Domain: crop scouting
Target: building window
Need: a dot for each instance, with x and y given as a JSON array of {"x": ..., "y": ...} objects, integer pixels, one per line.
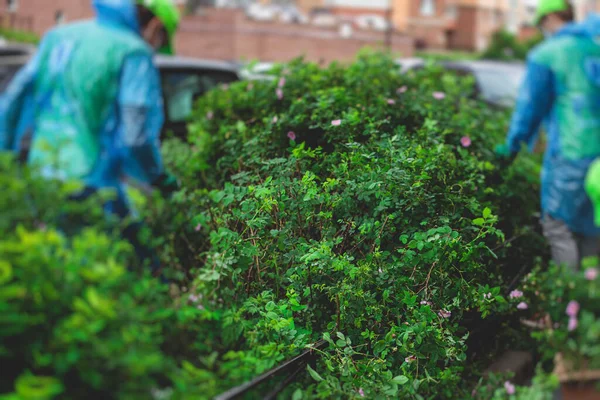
[
  {"x": 428, "y": 7},
  {"x": 451, "y": 12},
  {"x": 12, "y": 5}
]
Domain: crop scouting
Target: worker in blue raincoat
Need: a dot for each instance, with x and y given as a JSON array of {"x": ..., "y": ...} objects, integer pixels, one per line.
[
  {"x": 91, "y": 102},
  {"x": 562, "y": 88}
]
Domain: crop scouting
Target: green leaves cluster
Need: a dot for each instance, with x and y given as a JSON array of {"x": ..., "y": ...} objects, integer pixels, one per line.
[{"x": 373, "y": 229}]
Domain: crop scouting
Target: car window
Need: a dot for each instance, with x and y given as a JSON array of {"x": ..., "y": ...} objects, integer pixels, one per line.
[
  {"x": 500, "y": 86},
  {"x": 7, "y": 72},
  {"x": 182, "y": 88}
]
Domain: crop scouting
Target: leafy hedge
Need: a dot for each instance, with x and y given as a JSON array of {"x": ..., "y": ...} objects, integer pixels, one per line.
[
  {"x": 507, "y": 47},
  {"x": 19, "y": 36},
  {"x": 74, "y": 321},
  {"x": 354, "y": 205},
  {"x": 359, "y": 206}
]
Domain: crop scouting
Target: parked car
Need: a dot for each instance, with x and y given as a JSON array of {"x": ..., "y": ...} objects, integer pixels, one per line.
[
  {"x": 256, "y": 71},
  {"x": 184, "y": 80},
  {"x": 12, "y": 58},
  {"x": 496, "y": 82}
]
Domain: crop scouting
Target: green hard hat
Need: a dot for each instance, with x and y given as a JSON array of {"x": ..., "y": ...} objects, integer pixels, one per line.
[
  {"x": 547, "y": 7},
  {"x": 592, "y": 187},
  {"x": 168, "y": 13}
]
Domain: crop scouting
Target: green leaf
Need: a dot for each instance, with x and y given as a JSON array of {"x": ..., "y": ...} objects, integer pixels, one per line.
[
  {"x": 6, "y": 272},
  {"x": 400, "y": 380},
  {"x": 297, "y": 395},
  {"x": 487, "y": 213},
  {"x": 479, "y": 221},
  {"x": 314, "y": 374}
]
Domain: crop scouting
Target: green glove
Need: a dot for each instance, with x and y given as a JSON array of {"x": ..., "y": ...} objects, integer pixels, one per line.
[
  {"x": 592, "y": 188},
  {"x": 504, "y": 156}
]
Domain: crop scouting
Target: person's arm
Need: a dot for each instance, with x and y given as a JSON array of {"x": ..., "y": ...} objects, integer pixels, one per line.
[
  {"x": 17, "y": 107},
  {"x": 141, "y": 119},
  {"x": 534, "y": 104}
]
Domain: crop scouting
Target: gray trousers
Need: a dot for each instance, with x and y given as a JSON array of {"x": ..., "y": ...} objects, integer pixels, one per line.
[{"x": 568, "y": 248}]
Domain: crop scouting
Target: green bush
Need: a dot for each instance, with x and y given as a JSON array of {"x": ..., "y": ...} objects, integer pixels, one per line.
[
  {"x": 19, "y": 36},
  {"x": 341, "y": 204},
  {"x": 506, "y": 47},
  {"x": 567, "y": 304},
  {"x": 355, "y": 205},
  {"x": 75, "y": 322}
]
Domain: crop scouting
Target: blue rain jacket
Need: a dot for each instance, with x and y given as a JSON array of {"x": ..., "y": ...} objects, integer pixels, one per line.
[
  {"x": 562, "y": 89},
  {"x": 91, "y": 98}
]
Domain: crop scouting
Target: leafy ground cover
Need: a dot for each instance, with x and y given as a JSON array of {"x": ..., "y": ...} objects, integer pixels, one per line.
[
  {"x": 19, "y": 36},
  {"x": 350, "y": 204}
]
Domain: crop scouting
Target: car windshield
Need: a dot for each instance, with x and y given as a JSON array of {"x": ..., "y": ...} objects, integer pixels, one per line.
[
  {"x": 182, "y": 88},
  {"x": 500, "y": 85}
]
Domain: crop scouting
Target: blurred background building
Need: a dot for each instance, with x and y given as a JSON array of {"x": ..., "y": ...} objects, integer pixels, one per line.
[{"x": 322, "y": 30}]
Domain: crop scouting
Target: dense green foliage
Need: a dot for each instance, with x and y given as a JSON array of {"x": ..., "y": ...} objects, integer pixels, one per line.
[
  {"x": 341, "y": 204},
  {"x": 506, "y": 47},
  {"x": 570, "y": 302},
  {"x": 74, "y": 321},
  {"x": 354, "y": 205},
  {"x": 19, "y": 36}
]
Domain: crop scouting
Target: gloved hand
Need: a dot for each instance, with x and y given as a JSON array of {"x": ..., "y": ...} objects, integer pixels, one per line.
[
  {"x": 504, "y": 156},
  {"x": 167, "y": 183}
]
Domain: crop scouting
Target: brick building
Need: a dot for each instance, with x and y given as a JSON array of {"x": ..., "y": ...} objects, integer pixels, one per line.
[
  {"x": 440, "y": 24},
  {"x": 225, "y": 34},
  {"x": 40, "y": 15},
  {"x": 229, "y": 35}
]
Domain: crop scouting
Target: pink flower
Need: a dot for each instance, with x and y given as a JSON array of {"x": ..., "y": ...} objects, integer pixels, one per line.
[
  {"x": 279, "y": 93},
  {"x": 200, "y": 307},
  {"x": 193, "y": 298},
  {"x": 572, "y": 309},
  {"x": 361, "y": 392},
  {"x": 391, "y": 102},
  {"x": 42, "y": 227},
  {"x": 425, "y": 303},
  {"x": 487, "y": 296},
  {"x": 275, "y": 119},
  {"x": 445, "y": 314},
  {"x": 572, "y": 324},
  {"x": 410, "y": 359},
  {"x": 465, "y": 141},
  {"x": 510, "y": 388},
  {"x": 210, "y": 115},
  {"x": 401, "y": 90},
  {"x": 336, "y": 122},
  {"x": 281, "y": 82},
  {"x": 522, "y": 306},
  {"x": 198, "y": 228},
  {"x": 250, "y": 86},
  {"x": 225, "y": 86},
  {"x": 439, "y": 95},
  {"x": 291, "y": 135},
  {"x": 591, "y": 274},
  {"x": 515, "y": 294}
]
